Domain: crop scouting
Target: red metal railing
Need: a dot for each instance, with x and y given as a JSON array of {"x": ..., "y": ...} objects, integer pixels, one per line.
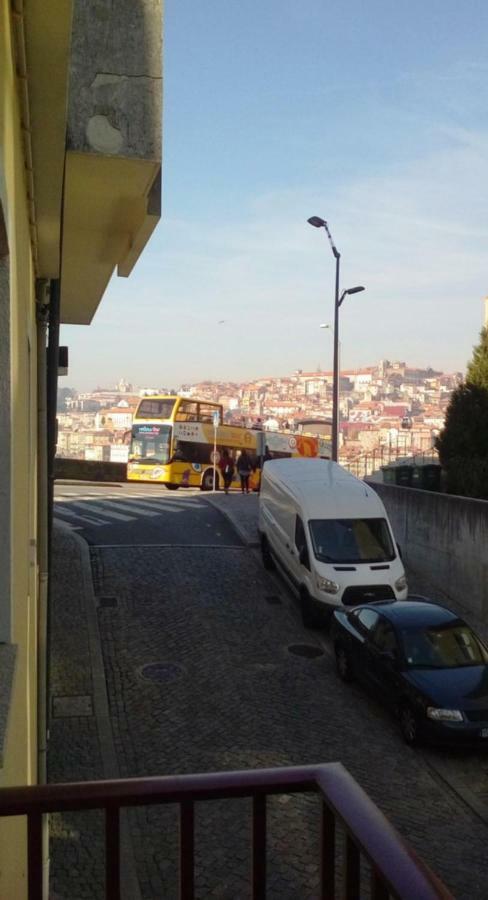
[{"x": 395, "y": 869}]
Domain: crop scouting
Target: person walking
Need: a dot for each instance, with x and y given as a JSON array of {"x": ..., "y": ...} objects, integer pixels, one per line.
[
  {"x": 244, "y": 469},
  {"x": 226, "y": 466}
]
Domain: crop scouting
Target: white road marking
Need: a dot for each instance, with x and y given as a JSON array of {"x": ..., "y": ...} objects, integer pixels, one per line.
[
  {"x": 93, "y": 507},
  {"x": 128, "y": 506},
  {"x": 70, "y": 514},
  {"x": 149, "y": 504},
  {"x": 99, "y": 508}
]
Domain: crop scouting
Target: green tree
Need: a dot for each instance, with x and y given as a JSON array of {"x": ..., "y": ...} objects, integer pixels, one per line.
[
  {"x": 463, "y": 443},
  {"x": 477, "y": 372}
]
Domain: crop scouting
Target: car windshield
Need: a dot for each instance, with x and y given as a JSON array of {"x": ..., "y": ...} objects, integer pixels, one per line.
[
  {"x": 351, "y": 540},
  {"x": 443, "y": 647}
]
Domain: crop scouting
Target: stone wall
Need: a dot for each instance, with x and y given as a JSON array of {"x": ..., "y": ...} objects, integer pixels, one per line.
[
  {"x": 89, "y": 470},
  {"x": 444, "y": 541}
]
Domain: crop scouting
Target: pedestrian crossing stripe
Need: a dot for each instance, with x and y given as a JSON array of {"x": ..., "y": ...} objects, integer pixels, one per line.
[
  {"x": 69, "y": 514},
  {"x": 127, "y": 506},
  {"x": 95, "y": 509}
]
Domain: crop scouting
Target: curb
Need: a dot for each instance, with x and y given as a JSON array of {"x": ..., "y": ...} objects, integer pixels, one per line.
[
  {"x": 129, "y": 882},
  {"x": 78, "y": 481},
  {"x": 241, "y": 532}
]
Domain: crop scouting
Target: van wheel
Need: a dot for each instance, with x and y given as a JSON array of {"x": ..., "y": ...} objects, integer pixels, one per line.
[
  {"x": 171, "y": 487},
  {"x": 268, "y": 561},
  {"x": 207, "y": 481},
  {"x": 310, "y": 614}
]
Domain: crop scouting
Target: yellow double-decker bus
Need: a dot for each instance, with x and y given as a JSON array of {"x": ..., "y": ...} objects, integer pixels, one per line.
[{"x": 178, "y": 442}]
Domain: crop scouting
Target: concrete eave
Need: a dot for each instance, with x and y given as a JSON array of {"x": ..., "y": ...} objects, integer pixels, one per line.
[
  {"x": 89, "y": 75},
  {"x": 111, "y": 207},
  {"x": 112, "y": 190}
]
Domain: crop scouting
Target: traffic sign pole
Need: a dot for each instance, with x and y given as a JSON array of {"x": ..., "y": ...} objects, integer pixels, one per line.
[{"x": 216, "y": 419}]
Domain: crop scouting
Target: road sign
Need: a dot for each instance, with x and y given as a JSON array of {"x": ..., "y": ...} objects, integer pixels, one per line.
[{"x": 216, "y": 418}]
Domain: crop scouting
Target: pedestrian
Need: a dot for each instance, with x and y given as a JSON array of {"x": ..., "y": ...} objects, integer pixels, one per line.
[
  {"x": 244, "y": 468},
  {"x": 226, "y": 466}
]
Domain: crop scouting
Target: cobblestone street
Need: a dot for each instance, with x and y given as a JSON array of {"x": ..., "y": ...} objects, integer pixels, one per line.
[{"x": 225, "y": 692}]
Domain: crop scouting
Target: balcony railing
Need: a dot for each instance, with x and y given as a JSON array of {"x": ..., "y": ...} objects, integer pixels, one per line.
[{"x": 395, "y": 869}]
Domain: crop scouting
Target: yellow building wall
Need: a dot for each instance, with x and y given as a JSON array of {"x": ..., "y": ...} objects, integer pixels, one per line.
[{"x": 20, "y": 750}]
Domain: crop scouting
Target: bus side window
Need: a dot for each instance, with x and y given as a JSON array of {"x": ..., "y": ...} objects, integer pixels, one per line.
[
  {"x": 195, "y": 452},
  {"x": 187, "y": 412},
  {"x": 206, "y": 412}
]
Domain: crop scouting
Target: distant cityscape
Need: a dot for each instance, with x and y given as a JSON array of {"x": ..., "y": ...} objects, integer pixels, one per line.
[{"x": 387, "y": 411}]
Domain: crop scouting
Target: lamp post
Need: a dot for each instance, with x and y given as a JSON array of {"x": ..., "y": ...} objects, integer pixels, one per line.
[
  {"x": 317, "y": 222},
  {"x": 329, "y": 328}
]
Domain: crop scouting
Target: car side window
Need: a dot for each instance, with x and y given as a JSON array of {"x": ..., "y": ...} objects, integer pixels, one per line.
[
  {"x": 384, "y": 638},
  {"x": 366, "y": 620},
  {"x": 301, "y": 543}
]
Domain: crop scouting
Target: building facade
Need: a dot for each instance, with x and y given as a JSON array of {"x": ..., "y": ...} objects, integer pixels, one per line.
[{"x": 80, "y": 162}]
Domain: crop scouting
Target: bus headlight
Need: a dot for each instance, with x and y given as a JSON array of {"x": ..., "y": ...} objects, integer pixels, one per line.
[{"x": 326, "y": 585}]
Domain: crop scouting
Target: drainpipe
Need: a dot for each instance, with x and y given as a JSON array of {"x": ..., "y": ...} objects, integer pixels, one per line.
[
  {"x": 42, "y": 315},
  {"x": 23, "y": 85},
  {"x": 52, "y": 397}
]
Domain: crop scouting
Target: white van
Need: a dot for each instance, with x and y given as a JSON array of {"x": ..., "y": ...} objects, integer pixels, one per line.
[{"x": 330, "y": 534}]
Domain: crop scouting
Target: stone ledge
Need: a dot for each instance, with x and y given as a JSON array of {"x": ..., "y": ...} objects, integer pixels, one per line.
[{"x": 8, "y": 653}]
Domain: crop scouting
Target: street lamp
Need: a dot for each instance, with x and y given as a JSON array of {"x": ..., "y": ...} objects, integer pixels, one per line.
[{"x": 317, "y": 222}]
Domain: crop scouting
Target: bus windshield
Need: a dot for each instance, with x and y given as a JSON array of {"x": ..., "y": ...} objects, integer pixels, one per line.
[
  {"x": 151, "y": 444},
  {"x": 351, "y": 540}
]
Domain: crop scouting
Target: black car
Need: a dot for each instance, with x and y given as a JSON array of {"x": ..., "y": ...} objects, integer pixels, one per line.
[{"x": 423, "y": 662}]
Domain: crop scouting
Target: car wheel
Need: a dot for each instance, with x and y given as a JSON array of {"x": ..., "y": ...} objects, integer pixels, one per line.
[
  {"x": 268, "y": 561},
  {"x": 408, "y": 724},
  {"x": 343, "y": 663},
  {"x": 310, "y": 613},
  {"x": 171, "y": 487}
]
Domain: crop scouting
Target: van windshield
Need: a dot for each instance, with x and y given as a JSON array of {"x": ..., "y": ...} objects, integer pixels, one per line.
[{"x": 351, "y": 540}]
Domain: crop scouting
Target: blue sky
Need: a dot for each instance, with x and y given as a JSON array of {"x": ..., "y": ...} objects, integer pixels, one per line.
[{"x": 370, "y": 114}]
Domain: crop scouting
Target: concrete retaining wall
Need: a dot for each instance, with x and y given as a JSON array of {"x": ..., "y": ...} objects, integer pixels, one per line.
[
  {"x": 444, "y": 540},
  {"x": 89, "y": 470}
]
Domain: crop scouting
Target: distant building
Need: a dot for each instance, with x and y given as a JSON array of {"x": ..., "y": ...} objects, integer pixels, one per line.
[{"x": 314, "y": 426}]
